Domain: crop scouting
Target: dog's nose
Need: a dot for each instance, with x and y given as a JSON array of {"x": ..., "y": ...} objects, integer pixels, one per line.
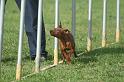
[
  {"x": 51, "y": 32},
  {"x": 57, "y": 32}
]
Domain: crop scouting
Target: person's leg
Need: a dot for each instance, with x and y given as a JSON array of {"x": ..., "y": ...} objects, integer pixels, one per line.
[
  {"x": 5, "y": 1},
  {"x": 32, "y": 39},
  {"x": 31, "y": 16}
]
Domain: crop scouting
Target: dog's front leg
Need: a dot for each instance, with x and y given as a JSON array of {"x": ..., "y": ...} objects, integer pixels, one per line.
[
  {"x": 67, "y": 57},
  {"x": 63, "y": 57},
  {"x": 72, "y": 51}
]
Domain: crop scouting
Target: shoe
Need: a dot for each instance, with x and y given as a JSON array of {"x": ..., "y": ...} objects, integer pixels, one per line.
[
  {"x": 32, "y": 58},
  {"x": 44, "y": 56}
]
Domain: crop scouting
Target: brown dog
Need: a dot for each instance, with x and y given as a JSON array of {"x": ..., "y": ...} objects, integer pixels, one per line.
[{"x": 67, "y": 44}]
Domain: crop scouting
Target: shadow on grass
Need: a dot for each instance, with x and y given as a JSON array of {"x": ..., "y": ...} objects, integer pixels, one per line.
[
  {"x": 25, "y": 58},
  {"x": 85, "y": 57},
  {"x": 8, "y": 59},
  {"x": 91, "y": 56}
]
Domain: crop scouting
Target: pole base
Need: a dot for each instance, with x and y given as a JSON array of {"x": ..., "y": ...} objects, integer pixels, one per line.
[
  {"x": 55, "y": 56},
  {"x": 89, "y": 44},
  {"x": 117, "y": 36},
  {"x": 18, "y": 72},
  {"x": 103, "y": 43}
]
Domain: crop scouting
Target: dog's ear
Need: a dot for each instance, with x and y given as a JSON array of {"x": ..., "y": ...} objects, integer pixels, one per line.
[
  {"x": 60, "y": 25},
  {"x": 66, "y": 30}
]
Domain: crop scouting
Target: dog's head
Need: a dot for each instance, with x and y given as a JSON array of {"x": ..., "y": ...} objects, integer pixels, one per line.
[{"x": 59, "y": 32}]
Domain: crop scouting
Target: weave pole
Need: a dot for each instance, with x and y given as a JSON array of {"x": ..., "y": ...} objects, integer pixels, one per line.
[
  {"x": 89, "y": 38},
  {"x": 118, "y": 22},
  {"x": 56, "y": 25},
  {"x": 73, "y": 17},
  {"x": 104, "y": 23},
  {"x": 21, "y": 32},
  {"x": 2, "y": 8},
  {"x": 39, "y": 30}
]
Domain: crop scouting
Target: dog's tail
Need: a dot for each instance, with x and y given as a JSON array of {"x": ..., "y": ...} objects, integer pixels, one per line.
[
  {"x": 60, "y": 25},
  {"x": 75, "y": 55}
]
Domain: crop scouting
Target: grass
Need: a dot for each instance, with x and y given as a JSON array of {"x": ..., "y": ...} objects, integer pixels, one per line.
[{"x": 99, "y": 65}]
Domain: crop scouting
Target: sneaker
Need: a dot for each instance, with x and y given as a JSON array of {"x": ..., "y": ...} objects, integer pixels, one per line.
[
  {"x": 44, "y": 55},
  {"x": 32, "y": 58},
  {"x": 43, "y": 58}
]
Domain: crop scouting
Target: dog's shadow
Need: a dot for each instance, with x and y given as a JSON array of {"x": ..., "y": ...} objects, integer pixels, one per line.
[{"x": 91, "y": 56}]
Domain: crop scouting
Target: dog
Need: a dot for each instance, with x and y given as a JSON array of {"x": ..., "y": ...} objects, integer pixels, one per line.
[{"x": 66, "y": 41}]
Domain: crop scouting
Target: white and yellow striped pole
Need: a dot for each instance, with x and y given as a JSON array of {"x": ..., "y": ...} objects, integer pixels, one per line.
[
  {"x": 56, "y": 25},
  {"x": 39, "y": 30},
  {"x": 21, "y": 32},
  {"x": 104, "y": 23},
  {"x": 2, "y": 8},
  {"x": 118, "y": 22},
  {"x": 89, "y": 38}
]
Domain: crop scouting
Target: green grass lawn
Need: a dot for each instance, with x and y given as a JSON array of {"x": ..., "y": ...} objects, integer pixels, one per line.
[{"x": 98, "y": 65}]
